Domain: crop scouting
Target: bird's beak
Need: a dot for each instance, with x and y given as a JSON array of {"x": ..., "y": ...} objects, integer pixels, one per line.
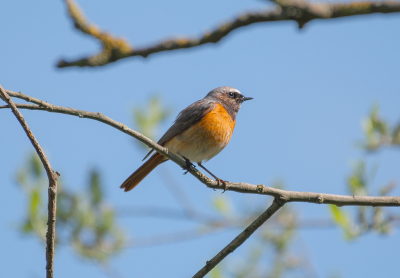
[{"x": 247, "y": 98}]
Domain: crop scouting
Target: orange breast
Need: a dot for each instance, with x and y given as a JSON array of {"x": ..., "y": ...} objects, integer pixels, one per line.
[
  {"x": 206, "y": 138},
  {"x": 219, "y": 124}
]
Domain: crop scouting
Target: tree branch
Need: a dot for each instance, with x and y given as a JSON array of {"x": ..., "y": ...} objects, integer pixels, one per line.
[
  {"x": 175, "y": 188},
  {"x": 242, "y": 237},
  {"x": 157, "y": 240},
  {"x": 114, "y": 49},
  {"x": 283, "y": 195},
  {"x": 166, "y": 213},
  {"x": 280, "y": 196},
  {"x": 176, "y": 214},
  {"x": 52, "y": 191}
]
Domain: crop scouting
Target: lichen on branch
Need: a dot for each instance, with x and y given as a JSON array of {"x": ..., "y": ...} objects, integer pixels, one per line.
[{"x": 114, "y": 49}]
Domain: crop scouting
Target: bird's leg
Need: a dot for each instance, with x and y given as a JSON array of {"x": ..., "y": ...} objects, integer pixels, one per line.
[
  {"x": 215, "y": 177},
  {"x": 188, "y": 165}
]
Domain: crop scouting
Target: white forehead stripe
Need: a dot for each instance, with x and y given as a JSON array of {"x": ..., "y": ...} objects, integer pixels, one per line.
[{"x": 235, "y": 90}]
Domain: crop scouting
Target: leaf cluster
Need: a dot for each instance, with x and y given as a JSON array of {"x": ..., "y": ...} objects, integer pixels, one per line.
[
  {"x": 84, "y": 220},
  {"x": 366, "y": 219},
  {"x": 147, "y": 118},
  {"x": 378, "y": 133}
]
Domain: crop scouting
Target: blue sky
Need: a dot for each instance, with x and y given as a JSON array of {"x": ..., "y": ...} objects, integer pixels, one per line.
[{"x": 311, "y": 90}]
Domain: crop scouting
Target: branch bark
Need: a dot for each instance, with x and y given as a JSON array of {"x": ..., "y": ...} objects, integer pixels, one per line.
[
  {"x": 280, "y": 196},
  {"x": 52, "y": 191},
  {"x": 114, "y": 49},
  {"x": 283, "y": 195},
  {"x": 242, "y": 237}
]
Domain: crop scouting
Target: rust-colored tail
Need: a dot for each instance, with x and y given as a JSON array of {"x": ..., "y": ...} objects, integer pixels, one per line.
[{"x": 134, "y": 179}]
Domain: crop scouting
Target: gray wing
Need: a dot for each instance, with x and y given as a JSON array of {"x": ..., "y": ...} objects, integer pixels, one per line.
[{"x": 185, "y": 119}]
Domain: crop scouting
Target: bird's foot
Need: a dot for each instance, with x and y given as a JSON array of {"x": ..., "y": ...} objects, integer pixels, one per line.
[
  {"x": 223, "y": 182},
  {"x": 188, "y": 165}
]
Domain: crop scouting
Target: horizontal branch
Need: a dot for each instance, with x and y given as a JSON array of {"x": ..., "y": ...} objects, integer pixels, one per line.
[
  {"x": 166, "y": 213},
  {"x": 283, "y": 195},
  {"x": 280, "y": 196},
  {"x": 156, "y": 240},
  {"x": 237, "y": 221},
  {"x": 114, "y": 49}
]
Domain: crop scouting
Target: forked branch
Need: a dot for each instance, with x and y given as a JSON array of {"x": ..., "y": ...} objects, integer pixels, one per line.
[
  {"x": 52, "y": 191},
  {"x": 114, "y": 49},
  {"x": 280, "y": 196},
  {"x": 283, "y": 195}
]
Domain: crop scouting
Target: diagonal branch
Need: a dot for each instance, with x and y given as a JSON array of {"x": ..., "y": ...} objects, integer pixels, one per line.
[
  {"x": 242, "y": 237},
  {"x": 280, "y": 196},
  {"x": 52, "y": 191},
  {"x": 114, "y": 49},
  {"x": 283, "y": 195}
]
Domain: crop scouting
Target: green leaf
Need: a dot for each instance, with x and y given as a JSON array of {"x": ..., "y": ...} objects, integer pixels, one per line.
[
  {"x": 216, "y": 273},
  {"x": 338, "y": 216},
  {"x": 34, "y": 202},
  {"x": 35, "y": 165},
  {"x": 96, "y": 190},
  {"x": 27, "y": 227},
  {"x": 84, "y": 220},
  {"x": 385, "y": 190},
  {"x": 21, "y": 177},
  {"x": 147, "y": 118},
  {"x": 341, "y": 218},
  {"x": 396, "y": 135},
  {"x": 358, "y": 181},
  {"x": 223, "y": 205},
  {"x": 376, "y": 131}
]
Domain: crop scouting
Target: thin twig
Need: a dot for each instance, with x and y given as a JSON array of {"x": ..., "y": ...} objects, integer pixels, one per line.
[
  {"x": 160, "y": 212},
  {"x": 242, "y": 237},
  {"x": 284, "y": 195},
  {"x": 157, "y": 240},
  {"x": 114, "y": 49},
  {"x": 177, "y": 192},
  {"x": 280, "y": 196},
  {"x": 109, "y": 270},
  {"x": 52, "y": 191},
  {"x": 239, "y": 221}
]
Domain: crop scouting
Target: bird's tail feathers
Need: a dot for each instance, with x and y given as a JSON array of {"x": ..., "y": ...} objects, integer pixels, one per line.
[{"x": 134, "y": 179}]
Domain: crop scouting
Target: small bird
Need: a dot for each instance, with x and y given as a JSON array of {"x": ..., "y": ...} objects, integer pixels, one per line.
[{"x": 200, "y": 132}]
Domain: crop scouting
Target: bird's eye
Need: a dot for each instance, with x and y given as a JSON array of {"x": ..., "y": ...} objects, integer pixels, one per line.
[{"x": 231, "y": 94}]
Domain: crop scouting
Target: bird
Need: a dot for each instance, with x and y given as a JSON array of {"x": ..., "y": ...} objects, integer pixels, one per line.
[{"x": 200, "y": 132}]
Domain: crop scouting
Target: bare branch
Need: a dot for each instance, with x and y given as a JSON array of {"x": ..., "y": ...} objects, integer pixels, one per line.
[
  {"x": 109, "y": 270},
  {"x": 52, "y": 191},
  {"x": 175, "y": 188},
  {"x": 280, "y": 196},
  {"x": 284, "y": 195},
  {"x": 235, "y": 222},
  {"x": 242, "y": 237},
  {"x": 157, "y": 240},
  {"x": 166, "y": 213},
  {"x": 114, "y": 49}
]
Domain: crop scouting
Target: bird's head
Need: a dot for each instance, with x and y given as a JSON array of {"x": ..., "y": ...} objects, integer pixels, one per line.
[{"x": 229, "y": 97}]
